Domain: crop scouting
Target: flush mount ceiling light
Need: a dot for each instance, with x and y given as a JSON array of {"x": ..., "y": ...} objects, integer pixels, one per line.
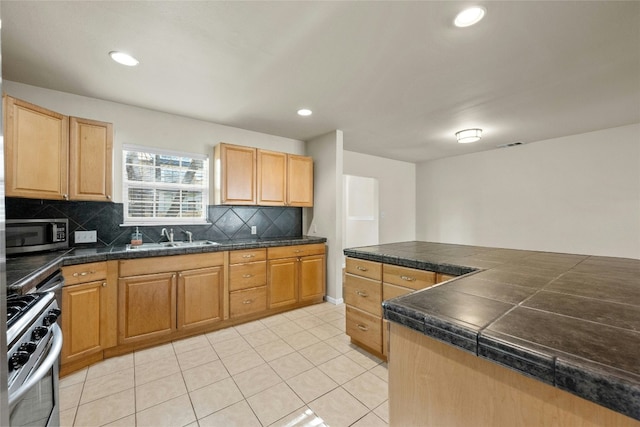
[
  {"x": 123, "y": 58},
  {"x": 469, "y": 16},
  {"x": 469, "y": 135},
  {"x": 304, "y": 112}
]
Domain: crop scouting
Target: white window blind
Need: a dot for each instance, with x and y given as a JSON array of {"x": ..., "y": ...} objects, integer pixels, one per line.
[{"x": 164, "y": 187}]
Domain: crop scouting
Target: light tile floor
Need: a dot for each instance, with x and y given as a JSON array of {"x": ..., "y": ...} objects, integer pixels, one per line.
[{"x": 291, "y": 369}]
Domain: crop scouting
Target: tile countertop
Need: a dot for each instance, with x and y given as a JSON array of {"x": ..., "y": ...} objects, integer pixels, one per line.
[
  {"x": 572, "y": 321},
  {"x": 24, "y": 272}
]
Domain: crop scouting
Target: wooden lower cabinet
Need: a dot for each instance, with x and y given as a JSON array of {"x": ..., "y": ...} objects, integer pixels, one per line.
[
  {"x": 248, "y": 301},
  {"x": 312, "y": 278},
  {"x": 200, "y": 297},
  {"x": 283, "y": 288}
]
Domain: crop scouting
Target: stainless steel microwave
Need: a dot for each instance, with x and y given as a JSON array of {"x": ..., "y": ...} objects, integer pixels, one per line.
[{"x": 36, "y": 235}]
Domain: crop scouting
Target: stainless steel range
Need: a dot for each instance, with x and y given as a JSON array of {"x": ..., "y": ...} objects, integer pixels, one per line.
[{"x": 34, "y": 341}]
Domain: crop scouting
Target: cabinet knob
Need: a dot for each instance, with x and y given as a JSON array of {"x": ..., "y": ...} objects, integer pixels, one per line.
[
  {"x": 104, "y": 284},
  {"x": 65, "y": 196},
  {"x": 108, "y": 197}
]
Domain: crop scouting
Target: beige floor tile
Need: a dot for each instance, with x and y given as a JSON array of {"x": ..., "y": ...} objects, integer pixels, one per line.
[
  {"x": 70, "y": 396},
  {"x": 156, "y": 369},
  {"x": 319, "y": 353},
  {"x": 204, "y": 375},
  {"x": 158, "y": 391},
  {"x": 129, "y": 421},
  {"x": 215, "y": 397},
  {"x": 67, "y": 417},
  {"x": 107, "y": 385},
  {"x": 189, "y": 344},
  {"x": 193, "y": 424},
  {"x": 73, "y": 379},
  {"x": 370, "y": 420},
  {"x": 231, "y": 346},
  {"x": 274, "y": 320},
  {"x": 274, "y": 403},
  {"x": 172, "y": 413},
  {"x": 368, "y": 389},
  {"x": 109, "y": 366},
  {"x": 332, "y": 315},
  {"x": 236, "y": 415},
  {"x": 152, "y": 354},
  {"x": 363, "y": 358},
  {"x": 339, "y": 324},
  {"x": 222, "y": 335},
  {"x": 381, "y": 372},
  {"x": 295, "y": 314},
  {"x": 311, "y": 384},
  {"x": 286, "y": 329},
  {"x": 302, "y": 417},
  {"x": 338, "y": 408},
  {"x": 247, "y": 328},
  {"x": 342, "y": 343},
  {"x": 325, "y": 331},
  {"x": 107, "y": 409},
  {"x": 383, "y": 411},
  {"x": 197, "y": 357},
  {"x": 320, "y": 308},
  {"x": 310, "y": 321},
  {"x": 301, "y": 340},
  {"x": 261, "y": 337},
  {"x": 242, "y": 361},
  {"x": 256, "y": 379},
  {"x": 290, "y": 365},
  {"x": 274, "y": 350},
  {"x": 341, "y": 369}
]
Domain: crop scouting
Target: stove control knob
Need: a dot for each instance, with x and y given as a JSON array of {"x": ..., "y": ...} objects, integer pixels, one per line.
[
  {"x": 28, "y": 347},
  {"x": 55, "y": 311},
  {"x": 38, "y": 333},
  {"x": 49, "y": 319},
  {"x": 18, "y": 360}
]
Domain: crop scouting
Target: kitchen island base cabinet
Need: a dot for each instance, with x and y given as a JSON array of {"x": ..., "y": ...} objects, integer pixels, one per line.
[{"x": 435, "y": 384}]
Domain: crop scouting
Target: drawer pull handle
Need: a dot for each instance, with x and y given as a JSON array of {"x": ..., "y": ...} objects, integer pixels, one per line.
[
  {"x": 362, "y": 294},
  {"x": 408, "y": 279},
  {"x": 363, "y": 327},
  {"x": 297, "y": 251},
  {"x": 248, "y": 256},
  {"x": 246, "y": 276},
  {"x": 361, "y": 268},
  {"x": 83, "y": 273},
  {"x": 247, "y": 301}
]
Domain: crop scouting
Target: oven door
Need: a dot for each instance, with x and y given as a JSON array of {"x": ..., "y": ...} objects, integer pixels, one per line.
[{"x": 35, "y": 403}]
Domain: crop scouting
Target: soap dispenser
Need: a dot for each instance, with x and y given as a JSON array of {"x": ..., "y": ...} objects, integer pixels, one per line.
[{"x": 136, "y": 238}]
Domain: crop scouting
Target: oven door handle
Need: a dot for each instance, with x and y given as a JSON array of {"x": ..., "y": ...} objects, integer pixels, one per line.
[{"x": 49, "y": 361}]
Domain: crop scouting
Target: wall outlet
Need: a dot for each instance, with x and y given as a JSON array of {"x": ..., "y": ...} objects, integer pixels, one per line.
[
  {"x": 254, "y": 229},
  {"x": 86, "y": 236}
]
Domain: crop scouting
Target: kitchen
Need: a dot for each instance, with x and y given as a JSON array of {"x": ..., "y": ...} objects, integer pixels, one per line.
[{"x": 539, "y": 196}]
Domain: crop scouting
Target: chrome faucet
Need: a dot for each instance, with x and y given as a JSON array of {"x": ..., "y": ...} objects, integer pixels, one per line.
[
  {"x": 168, "y": 235},
  {"x": 189, "y": 235}
]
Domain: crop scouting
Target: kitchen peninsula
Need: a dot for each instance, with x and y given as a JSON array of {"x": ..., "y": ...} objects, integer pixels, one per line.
[{"x": 524, "y": 338}]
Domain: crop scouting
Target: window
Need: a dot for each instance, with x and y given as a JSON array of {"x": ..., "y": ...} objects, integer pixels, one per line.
[{"x": 164, "y": 187}]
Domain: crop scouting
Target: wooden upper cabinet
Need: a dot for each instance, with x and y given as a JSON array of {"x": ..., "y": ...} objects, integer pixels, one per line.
[
  {"x": 300, "y": 182},
  {"x": 235, "y": 175},
  {"x": 36, "y": 151},
  {"x": 91, "y": 155},
  {"x": 272, "y": 178}
]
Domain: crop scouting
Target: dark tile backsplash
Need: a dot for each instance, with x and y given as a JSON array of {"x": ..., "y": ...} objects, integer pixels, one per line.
[{"x": 225, "y": 222}]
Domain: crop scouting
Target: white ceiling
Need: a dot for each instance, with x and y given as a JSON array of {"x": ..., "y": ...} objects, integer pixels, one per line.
[{"x": 397, "y": 77}]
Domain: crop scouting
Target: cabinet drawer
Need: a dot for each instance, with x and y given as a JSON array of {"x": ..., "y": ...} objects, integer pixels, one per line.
[
  {"x": 162, "y": 264},
  {"x": 294, "y": 251},
  {"x": 364, "y": 294},
  {"x": 248, "y": 301},
  {"x": 441, "y": 277},
  {"x": 248, "y": 255},
  {"x": 408, "y": 277},
  {"x": 365, "y": 328},
  {"x": 82, "y": 273},
  {"x": 249, "y": 275},
  {"x": 370, "y": 269},
  {"x": 392, "y": 291}
]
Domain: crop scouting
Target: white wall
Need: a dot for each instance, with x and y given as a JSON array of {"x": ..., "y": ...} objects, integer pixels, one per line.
[
  {"x": 133, "y": 125},
  {"x": 397, "y": 193},
  {"x": 576, "y": 194},
  {"x": 326, "y": 151}
]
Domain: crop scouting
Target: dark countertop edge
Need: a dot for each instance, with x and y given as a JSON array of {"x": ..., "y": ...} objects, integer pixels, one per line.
[
  {"x": 579, "y": 377},
  {"x": 85, "y": 255}
]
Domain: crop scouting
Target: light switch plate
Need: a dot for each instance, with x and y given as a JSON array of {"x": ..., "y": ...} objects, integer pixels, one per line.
[{"x": 86, "y": 236}]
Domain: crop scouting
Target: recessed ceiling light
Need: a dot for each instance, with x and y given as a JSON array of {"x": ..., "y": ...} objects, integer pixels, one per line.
[
  {"x": 469, "y": 16},
  {"x": 469, "y": 135},
  {"x": 123, "y": 58},
  {"x": 304, "y": 112}
]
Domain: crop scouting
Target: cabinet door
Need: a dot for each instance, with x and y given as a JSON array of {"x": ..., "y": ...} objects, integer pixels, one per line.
[
  {"x": 147, "y": 307},
  {"x": 199, "y": 297},
  {"x": 91, "y": 153},
  {"x": 300, "y": 181},
  {"x": 36, "y": 151},
  {"x": 235, "y": 175},
  {"x": 272, "y": 178},
  {"x": 83, "y": 307},
  {"x": 282, "y": 283},
  {"x": 312, "y": 278}
]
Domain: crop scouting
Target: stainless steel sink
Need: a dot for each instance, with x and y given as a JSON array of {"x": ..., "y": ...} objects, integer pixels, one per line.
[{"x": 169, "y": 245}]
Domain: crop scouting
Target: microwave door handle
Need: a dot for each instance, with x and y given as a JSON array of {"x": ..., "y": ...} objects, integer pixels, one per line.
[
  {"x": 35, "y": 377},
  {"x": 54, "y": 232}
]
